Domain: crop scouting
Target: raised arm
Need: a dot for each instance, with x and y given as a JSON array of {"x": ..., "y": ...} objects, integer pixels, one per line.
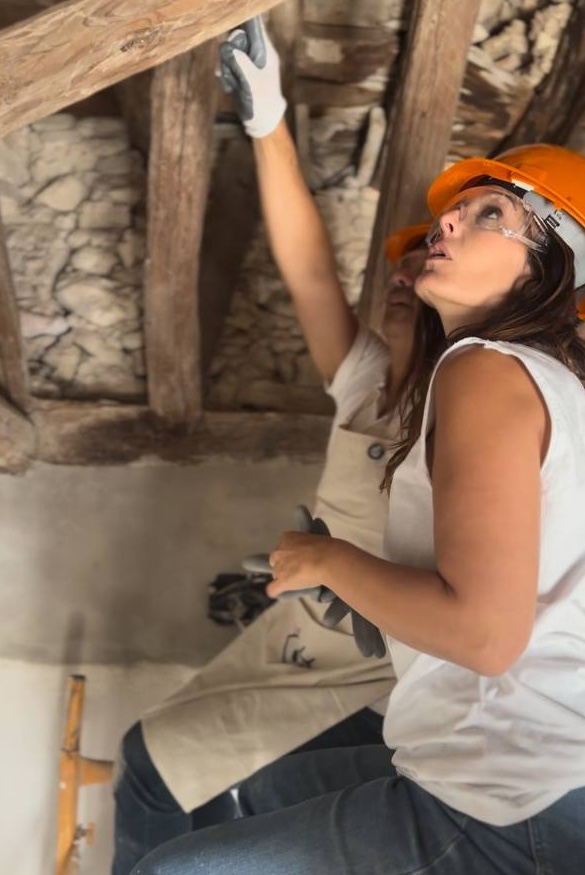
[{"x": 298, "y": 236}]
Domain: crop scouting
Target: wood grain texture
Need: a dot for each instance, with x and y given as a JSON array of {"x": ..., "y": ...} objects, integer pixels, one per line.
[
  {"x": 14, "y": 372},
  {"x": 420, "y": 128},
  {"x": 71, "y": 433},
  {"x": 78, "y": 47},
  {"x": 183, "y": 109},
  {"x": 133, "y": 96}
]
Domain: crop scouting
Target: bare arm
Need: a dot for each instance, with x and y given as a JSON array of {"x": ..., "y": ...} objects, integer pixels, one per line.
[
  {"x": 303, "y": 252},
  {"x": 477, "y": 609},
  {"x": 251, "y": 71}
]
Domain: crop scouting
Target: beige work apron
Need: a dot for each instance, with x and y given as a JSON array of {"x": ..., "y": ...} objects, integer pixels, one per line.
[{"x": 286, "y": 678}]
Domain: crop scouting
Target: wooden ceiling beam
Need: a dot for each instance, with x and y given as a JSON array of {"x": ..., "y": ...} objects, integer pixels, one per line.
[
  {"x": 78, "y": 47},
  {"x": 559, "y": 100},
  {"x": 14, "y": 380},
  {"x": 419, "y": 133},
  {"x": 133, "y": 96},
  {"x": 77, "y": 433},
  {"x": 182, "y": 113}
]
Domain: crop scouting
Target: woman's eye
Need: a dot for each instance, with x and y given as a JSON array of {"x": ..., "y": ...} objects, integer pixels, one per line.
[{"x": 490, "y": 213}]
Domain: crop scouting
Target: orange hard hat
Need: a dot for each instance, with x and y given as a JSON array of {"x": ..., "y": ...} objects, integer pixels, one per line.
[
  {"x": 405, "y": 239},
  {"x": 550, "y": 179}
]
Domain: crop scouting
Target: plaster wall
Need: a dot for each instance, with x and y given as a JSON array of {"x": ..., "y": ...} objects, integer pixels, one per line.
[
  {"x": 104, "y": 572},
  {"x": 110, "y": 565}
]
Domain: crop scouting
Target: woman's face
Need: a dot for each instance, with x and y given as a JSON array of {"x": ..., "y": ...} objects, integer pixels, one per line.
[
  {"x": 474, "y": 260},
  {"x": 402, "y": 304}
]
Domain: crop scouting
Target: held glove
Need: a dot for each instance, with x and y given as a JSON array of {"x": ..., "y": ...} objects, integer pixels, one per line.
[
  {"x": 368, "y": 638},
  {"x": 250, "y": 70}
]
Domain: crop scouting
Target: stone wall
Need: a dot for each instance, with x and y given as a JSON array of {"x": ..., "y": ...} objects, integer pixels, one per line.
[
  {"x": 72, "y": 201},
  {"x": 262, "y": 361},
  {"x": 72, "y": 197}
]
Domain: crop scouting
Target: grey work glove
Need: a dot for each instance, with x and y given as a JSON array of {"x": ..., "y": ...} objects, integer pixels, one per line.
[
  {"x": 368, "y": 638},
  {"x": 250, "y": 70}
]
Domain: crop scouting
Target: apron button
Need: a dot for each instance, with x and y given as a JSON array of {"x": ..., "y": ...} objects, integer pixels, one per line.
[{"x": 376, "y": 451}]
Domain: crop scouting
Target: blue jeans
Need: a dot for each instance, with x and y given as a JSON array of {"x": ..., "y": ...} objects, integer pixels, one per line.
[
  {"x": 148, "y": 815},
  {"x": 347, "y": 812}
]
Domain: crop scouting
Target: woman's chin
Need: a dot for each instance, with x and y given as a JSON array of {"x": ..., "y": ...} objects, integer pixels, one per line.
[{"x": 425, "y": 291}]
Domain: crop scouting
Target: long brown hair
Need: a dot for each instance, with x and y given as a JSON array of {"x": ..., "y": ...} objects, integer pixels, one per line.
[{"x": 539, "y": 312}]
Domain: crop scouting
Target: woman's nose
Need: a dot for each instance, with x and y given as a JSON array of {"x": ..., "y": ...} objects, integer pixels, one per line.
[
  {"x": 402, "y": 279},
  {"x": 450, "y": 221}
]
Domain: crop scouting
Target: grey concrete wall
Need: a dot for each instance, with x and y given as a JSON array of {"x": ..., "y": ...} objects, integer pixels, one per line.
[{"x": 110, "y": 565}]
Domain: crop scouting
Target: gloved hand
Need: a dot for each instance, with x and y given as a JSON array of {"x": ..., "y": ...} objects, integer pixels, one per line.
[
  {"x": 250, "y": 70},
  {"x": 368, "y": 638}
]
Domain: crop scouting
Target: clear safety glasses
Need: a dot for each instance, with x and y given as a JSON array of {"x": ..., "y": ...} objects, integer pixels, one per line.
[{"x": 493, "y": 210}]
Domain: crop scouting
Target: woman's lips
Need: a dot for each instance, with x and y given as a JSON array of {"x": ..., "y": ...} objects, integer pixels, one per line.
[
  {"x": 438, "y": 251},
  {"x": 400, "y": 298}
]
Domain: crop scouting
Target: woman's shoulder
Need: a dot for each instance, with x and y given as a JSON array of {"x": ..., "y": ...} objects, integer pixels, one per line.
[
  {"x": 487, "y": 381},
  {"x": 478, "y": 372},
  {"x": 476, "y": 356}
]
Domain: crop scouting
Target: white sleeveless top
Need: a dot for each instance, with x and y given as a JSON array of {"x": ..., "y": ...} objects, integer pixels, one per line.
[{"x": 501, "y": 749}]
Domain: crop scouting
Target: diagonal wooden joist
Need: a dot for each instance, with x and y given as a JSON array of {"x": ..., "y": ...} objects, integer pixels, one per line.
[
  {"x": 420, "y": 128},
  {"x": 79, "y": 47},
  {"x": 13, "y": 369}
]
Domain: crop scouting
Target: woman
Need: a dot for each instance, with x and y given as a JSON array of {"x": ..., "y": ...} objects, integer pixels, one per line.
[
  {"x": 288, "y": 682},
  {"x": 178, "y": 762},
  {"x": 482, "y": 588}
]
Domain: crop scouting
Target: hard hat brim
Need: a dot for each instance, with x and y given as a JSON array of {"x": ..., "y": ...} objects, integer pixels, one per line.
[
  {"x": 402, "y": 241},
  {"x": 455, "y": 178}
]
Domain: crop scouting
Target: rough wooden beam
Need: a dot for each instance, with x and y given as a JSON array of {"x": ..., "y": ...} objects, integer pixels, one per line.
[
  {"x": 231, "y": 221},
  {"x": 183, "y": 109},
  {"x": 559, "y": 100},
  {"x": 17, "y": 440},
  {"x": 418, "y": 137},
  {"x": 14, "y": 372},
  {"x": 71, "y": 433},
  {"x": 78, "y": 47},
  {"x": 133, "y": 95}
]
